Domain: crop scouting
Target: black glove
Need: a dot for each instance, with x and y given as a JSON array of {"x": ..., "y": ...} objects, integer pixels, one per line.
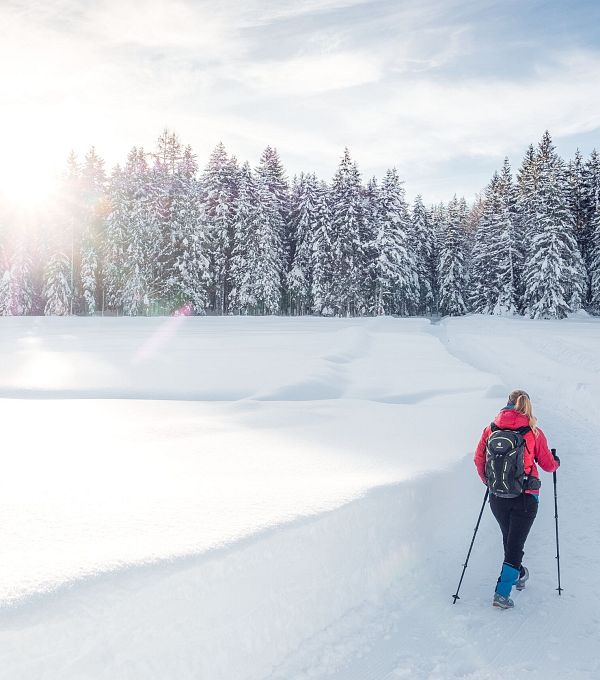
[{"x": 556, "y": 458}]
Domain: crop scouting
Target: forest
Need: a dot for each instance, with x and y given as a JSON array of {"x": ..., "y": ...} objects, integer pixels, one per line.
[{"x": 158, "y": 235}]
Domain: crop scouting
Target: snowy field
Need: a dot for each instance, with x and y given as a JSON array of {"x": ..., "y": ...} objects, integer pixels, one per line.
[{"x": 284, "y": 499}]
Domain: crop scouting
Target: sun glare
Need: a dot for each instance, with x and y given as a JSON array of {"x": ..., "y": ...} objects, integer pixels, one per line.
[{"x": 26, "y": 187}]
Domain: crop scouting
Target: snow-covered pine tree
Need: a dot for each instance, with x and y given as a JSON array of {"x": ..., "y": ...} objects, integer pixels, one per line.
[
  {"x": 93, "y": 208},
  {"x": 190, "y": 273},
  {"x": 554, "y": 274},
  {"x": 576, "y": 197},
  {"x": 592, "y": 217},
  {"x": 6, "y": 292},
  {"x": 423, "y": 240},
  {"x": 134, "y": 235},
  {"x": 157, "y": 208},
  {"x": 371, "y": 225},
  {"x": 347, "y": 217},
  {"x": 495, "y": 260},
  {"x": 451, "y": 266},
  {"x": 89, "y": 270},
  {"x": 592, "y": 185},
  {"x": 57, "y": 289},
  {"x": 594, "y": 263},
  {"x": 527, "y": 197},
  {"x": 169, "y": 151},
  {"x": 16, "y": 269},
  {"x": 241, "y": 276},
  {"x": 438, "y": 218},
  {"x": 271, "y": 172},
  {"x": 396, "y": 272},
  {"x": 509, "y": 243},
  {"x": 67, "y": 232},
  {"x": 219, "y": 189},
  {"x": 145, "y": 280},
  {"x": 115, "y": 239},
  {"x": 6, "y": 288},
  {"x": 302, "y": 234},
  {"x": 483, "y": 257},
  {"x": 257, "y": 262},
  {"x": 591, "y": 204},
  {"x": 322, "y": 254}
]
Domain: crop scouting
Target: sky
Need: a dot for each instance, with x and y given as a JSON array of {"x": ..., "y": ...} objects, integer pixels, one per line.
[{"x": 441, "y": 90}]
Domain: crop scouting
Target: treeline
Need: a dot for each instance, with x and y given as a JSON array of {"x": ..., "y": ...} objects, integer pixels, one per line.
[{"x": 158, "y": 236}]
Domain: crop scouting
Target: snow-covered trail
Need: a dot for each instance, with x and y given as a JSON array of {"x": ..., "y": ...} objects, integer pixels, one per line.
[
  {"x": 363, "y": 590},
  {"x": 417, "y": 632}
]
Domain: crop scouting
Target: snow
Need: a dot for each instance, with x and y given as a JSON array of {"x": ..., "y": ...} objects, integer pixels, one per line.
[{"x": 285, "y": 498}]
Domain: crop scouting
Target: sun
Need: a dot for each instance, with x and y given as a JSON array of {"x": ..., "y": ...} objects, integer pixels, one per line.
[{"x": 26, "y": 186}]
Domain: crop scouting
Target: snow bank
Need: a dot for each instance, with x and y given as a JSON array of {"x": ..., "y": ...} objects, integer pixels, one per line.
[
  {"x": 329, "y": 410},
  {"x": 314, "y": 527},
  {"x": 234, "y": 613}
]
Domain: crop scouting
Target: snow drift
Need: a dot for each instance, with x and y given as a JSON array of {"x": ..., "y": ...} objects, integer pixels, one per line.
[{"x": 313, "y": 524}]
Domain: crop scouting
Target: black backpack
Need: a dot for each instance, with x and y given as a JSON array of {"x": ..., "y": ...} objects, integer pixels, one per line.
[{"x": 505, "y": 461}]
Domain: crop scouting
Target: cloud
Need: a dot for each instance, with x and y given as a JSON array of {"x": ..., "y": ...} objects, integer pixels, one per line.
[
  {"x": 421, "y": 85},
  {"x": 312, "y": 74}
]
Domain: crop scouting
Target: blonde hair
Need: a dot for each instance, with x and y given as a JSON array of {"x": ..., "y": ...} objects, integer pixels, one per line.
[{"x": 522, "y": 403}]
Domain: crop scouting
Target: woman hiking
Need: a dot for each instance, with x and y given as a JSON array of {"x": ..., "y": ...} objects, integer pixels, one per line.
[{"x": 506, "y": 458}]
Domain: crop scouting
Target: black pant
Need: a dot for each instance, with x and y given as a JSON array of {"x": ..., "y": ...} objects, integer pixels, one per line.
[{"x": 515, "y": 517}]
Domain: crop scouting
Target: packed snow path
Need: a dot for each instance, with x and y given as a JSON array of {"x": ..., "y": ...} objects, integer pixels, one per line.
[{"x": 300, "y": 507}]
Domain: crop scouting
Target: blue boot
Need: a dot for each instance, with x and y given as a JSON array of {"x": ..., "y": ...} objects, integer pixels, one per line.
[{"x": 508, "y": 577}]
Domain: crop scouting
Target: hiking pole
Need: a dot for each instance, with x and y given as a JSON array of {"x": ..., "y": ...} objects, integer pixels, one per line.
[
  {"x": 556, "y": 523},
  {"x": 455, "y": 596}
]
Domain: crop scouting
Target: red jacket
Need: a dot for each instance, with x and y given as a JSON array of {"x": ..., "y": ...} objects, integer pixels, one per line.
[{"x": 537, "y": 450}]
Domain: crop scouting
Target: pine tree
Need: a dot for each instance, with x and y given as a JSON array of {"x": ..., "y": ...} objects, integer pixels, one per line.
[
  {"x": 322, "y": 255},
  {"x": 508, "y": 243},
  {"x": 369, "y": 235},
  {"x": 93, "y": 207},
  {"x": 6, "y": 292},
  {"x": 591, "y": 208},
  {"x": 554, "y": 274},
  {"x": 17, "y": 296},
  {"x": 190, "y": 272},
  {"x": 271, "y": 172},
  {"x": 169, "y": 151},
  {"x": 527, "y": 196},
  {"x": 576, "y": 197},
  {"x": 592, "y": 218},
  {"x": 89, "y": 269},
  {"x": 396, "y": 273},
  {"x": 303, "y": 228},
  {"x": 219, "y": 189},
  {"x": 483, "y": 256},
  {"x": 496, "y": 260},
  {"x": 57, "y": 290},
  {"x": 451, "y": 267},
  {"x": 424, "y": 248},
  {"x": 134, "y": 259},
  {"x": 115, "y": 239},
  {"x": 594, "y": 263},
  {"x": 257, "y": 262},
  {"x": 347, "y": 218}
]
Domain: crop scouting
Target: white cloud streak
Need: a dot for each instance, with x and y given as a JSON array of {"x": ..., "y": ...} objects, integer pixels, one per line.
[{"x": 307, "y": 76}]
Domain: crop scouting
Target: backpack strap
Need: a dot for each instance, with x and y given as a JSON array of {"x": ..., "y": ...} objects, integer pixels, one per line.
[
  {"x": 520, "y": 430},
  {"x": 523, "y": 431}
]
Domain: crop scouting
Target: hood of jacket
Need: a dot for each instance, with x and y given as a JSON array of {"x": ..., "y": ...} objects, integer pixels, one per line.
[{"x": 509, "y": 419}]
